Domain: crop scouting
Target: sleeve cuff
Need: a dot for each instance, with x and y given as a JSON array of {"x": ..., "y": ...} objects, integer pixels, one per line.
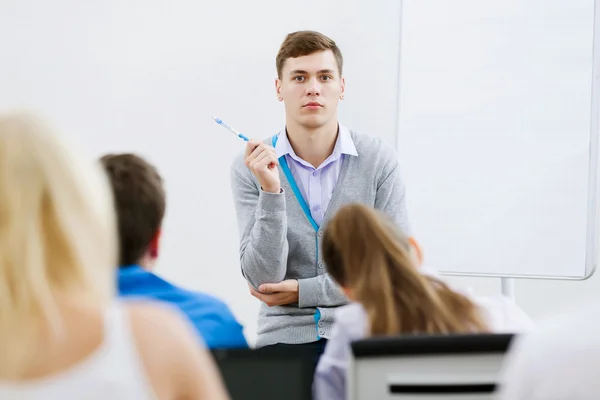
[
  {"x": 308, "y": 292},
  {"x": 271, "y": 202}
]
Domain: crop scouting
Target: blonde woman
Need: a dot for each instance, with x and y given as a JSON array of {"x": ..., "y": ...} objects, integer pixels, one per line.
[
  {"x": 378, "y": 268},
  {"x": 62, "y": 334}
]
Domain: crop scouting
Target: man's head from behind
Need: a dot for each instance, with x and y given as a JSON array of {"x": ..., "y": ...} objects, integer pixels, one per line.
[
  {"x": 140, "y": 205},
  {"x": 309, "y": 78}
]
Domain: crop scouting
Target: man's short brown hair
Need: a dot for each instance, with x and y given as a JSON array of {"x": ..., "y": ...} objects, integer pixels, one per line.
[
  {"x": 304, "y": 43},
  {"x": 139, "y": 202}
]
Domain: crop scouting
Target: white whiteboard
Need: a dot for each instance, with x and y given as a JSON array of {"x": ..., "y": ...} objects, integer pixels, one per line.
[
  {"x": 497, "y": 136},
  {"x": 146, "y": 76}
]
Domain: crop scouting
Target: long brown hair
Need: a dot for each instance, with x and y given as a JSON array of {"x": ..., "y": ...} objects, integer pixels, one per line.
[{"x": 365, "y": 252}]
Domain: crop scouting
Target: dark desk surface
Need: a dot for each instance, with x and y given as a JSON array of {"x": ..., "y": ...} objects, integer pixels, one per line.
[{"x": 267, "y": 373}]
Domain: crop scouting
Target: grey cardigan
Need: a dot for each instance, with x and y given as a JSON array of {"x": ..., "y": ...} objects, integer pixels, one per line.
[{"x": 278, "y": 242}]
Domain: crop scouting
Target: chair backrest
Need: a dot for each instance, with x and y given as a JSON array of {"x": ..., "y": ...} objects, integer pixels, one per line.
[
  {"x": 427, "y": 367},
  {"x": 267, "y": 373}
]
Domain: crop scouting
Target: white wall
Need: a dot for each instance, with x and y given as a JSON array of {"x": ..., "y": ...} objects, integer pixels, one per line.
[{"x": 146, "y": 76}]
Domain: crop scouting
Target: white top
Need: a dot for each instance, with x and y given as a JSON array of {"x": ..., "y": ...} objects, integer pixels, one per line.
[
  {"x": 113, "y": 371},
  {"x": 559, "y": 360},
  {"x": 500, "y": 314}
]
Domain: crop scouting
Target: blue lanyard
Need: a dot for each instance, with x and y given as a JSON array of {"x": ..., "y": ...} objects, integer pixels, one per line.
[
  {"x": 295, "y": 189},
  {"x": 288, "y": 174}
]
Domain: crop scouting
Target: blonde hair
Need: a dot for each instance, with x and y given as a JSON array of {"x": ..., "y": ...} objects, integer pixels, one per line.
[
  {"x": 57, "y": 235},
  {"x": 365, "y": 252}
]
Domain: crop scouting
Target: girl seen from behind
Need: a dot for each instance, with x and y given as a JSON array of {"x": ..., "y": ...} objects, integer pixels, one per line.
[
  {"x": 378, "y": 268},
  {"x": 62, "y": 333}
]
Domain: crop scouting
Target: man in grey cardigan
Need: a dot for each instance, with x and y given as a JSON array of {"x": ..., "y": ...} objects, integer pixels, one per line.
[{"x": 287, "y": 187}]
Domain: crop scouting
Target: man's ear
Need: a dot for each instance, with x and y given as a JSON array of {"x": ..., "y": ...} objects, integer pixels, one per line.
[
  {"x": 155, "y": 244},
  {"x": 278, "y": 89}
]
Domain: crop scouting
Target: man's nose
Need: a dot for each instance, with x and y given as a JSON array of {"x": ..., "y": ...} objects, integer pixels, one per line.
[{"x": 313, "y": 87}]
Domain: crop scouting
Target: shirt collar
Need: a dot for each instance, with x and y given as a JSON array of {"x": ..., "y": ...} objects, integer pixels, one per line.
[
  {"x": 343, "y": 144},
  {"x": 130, "y": 267}
]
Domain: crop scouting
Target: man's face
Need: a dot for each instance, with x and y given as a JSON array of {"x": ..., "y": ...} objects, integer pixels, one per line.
[{"x": 310, "y": 87}]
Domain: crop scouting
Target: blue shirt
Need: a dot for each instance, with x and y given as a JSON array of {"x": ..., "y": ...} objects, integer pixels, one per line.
[{"x": 212, "y": 319}]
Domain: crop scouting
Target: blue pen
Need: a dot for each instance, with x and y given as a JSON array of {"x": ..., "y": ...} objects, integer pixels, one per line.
[{"x": 230, "y": 129}]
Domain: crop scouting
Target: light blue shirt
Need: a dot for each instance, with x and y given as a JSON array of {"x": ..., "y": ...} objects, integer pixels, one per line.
[{"x": 317, "y": 184}]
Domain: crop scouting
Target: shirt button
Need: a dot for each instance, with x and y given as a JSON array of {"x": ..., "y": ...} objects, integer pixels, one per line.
[
  {"x": 320, "y": 233},
  {"x": 321, "y": 332},
  {"x": 315, "y": 173},
  {"x": 316, "y": 208},
  {"x": 320, "y": 265}
]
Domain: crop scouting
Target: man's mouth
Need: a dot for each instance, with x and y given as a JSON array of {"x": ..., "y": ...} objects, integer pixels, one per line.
[{"x": 313, "y": 104}]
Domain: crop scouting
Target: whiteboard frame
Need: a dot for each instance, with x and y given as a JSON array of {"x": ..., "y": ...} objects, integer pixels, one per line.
[{"x": 593, "y": 214}]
